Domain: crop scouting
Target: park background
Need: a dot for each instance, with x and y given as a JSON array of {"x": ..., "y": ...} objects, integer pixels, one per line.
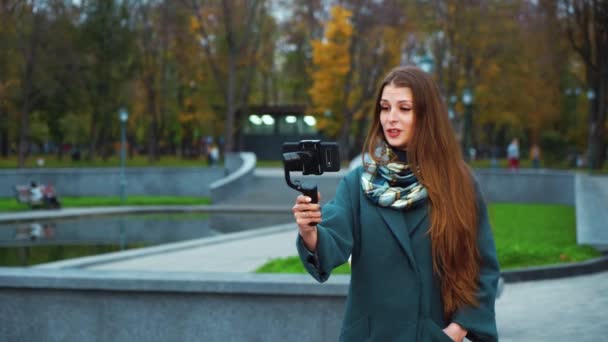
[
  {"x": 172, "y": 81},
  {"x": 188, "y": 74}
]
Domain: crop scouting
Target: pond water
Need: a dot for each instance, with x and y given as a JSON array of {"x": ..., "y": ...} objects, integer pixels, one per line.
[{"x": 35, "y": 242}]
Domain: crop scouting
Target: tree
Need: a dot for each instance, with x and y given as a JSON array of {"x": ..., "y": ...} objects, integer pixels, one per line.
[
  {"x": 30, "y": 29},
  {"x": 332, "y": 61},
  {"x": 298, "y": 31},
  {"x": 358, "y": 48},
  {"x": 8, "y": 74},
  {"x": 587, "y": 29},
  {"x": 229, "y": 34},
  {"x": 108, "y": 46},
  {"x": 152, "y": 44},
  {"x": 509, "y": 54}
]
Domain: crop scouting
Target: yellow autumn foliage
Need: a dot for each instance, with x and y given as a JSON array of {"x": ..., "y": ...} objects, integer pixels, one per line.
[{"x": 331, "y": 63}]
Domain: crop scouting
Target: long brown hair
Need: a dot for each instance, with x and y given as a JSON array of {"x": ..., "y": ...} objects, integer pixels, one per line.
[{"x": 435, "y": 156}]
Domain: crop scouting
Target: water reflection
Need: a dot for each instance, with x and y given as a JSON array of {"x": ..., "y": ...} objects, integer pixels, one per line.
[
  {"x": 30, "y": 243},
  {"x": 35, "y": 231}
]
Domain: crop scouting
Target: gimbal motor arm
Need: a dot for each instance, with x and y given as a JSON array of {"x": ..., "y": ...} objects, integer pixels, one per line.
[{"x": 294, "y": 159}]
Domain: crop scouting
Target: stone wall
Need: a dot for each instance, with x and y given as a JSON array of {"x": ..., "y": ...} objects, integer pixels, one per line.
[
  {"x": 141, "y": 181},
  {"x": 79, "y": 305}
]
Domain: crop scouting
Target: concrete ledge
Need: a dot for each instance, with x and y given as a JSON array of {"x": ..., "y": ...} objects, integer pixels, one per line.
[
  {"x": 527, "y": 186},
  {"x": 232, "y": 184},
  {"x": 79, "y": 305},
  {"x": 26, "y": 216},
  {"x": 183, "y": 282},
  {"x": 143, "y": 181},
  {"x": 556, "y": 271}
]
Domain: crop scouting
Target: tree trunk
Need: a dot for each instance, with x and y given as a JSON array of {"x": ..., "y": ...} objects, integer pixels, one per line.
[
  {"x": 30, "y": 62},
  {"x": 94, "y": 134},
  {"x": 361, "y": 131},
  {"x": 23, "y": 132},
  {"x": 598, "y": 152},
  {"x": 230, "y": 107},
  {"x": 164, "y": 79},
  {"x": 103, "y": 147},
  {"x": 153, "y": 125},
  {"x": 4, "y": 141}
]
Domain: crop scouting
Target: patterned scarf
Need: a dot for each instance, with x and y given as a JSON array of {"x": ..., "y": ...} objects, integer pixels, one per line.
[{"x": 391, "y": 184}]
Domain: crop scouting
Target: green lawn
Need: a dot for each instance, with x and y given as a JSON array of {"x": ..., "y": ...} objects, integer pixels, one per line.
[
  {"x": 10, "y": 204},
  {"x": 526, "y": 235},
  {"x": 52, "y": 161}
]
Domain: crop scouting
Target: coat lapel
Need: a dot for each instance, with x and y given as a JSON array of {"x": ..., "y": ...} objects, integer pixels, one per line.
[
  {"x": 401, "y": 225},
  {"x": 413, "y": 218}
]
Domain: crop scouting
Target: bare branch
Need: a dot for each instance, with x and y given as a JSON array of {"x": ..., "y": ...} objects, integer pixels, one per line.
[
  {"x": 227, "y": 12},
  {"x": 217, "y": 75}
]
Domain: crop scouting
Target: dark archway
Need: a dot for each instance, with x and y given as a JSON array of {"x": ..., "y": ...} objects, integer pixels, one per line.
[{"x": 263, "y": 129}]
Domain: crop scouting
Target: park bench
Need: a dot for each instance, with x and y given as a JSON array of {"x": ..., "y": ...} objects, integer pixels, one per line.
[{"x": 23, "y": 194}]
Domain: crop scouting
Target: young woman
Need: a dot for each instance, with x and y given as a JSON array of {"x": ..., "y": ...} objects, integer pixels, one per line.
[{"x": 424, "y": 264}]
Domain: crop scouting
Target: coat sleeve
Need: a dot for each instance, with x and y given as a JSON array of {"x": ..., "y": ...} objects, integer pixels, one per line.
[
  {"x": 334, "y": 236},
  {"x": 480, "y": 321}
]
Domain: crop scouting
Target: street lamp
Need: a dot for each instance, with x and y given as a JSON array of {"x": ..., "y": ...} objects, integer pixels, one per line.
[
  {"x": 123, "y": 115},
  {"x": 467, "y": 99}
]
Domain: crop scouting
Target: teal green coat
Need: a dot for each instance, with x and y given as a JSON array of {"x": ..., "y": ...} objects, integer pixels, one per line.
[{"x": 393, "y": 293}]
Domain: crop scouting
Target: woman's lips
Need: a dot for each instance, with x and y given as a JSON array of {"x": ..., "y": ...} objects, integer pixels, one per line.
[{"x": 393, "y": 133}]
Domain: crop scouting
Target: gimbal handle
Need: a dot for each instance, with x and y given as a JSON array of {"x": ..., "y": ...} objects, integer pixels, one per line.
[
  {"x": 307, "y": 190},
  {"x": 312, "y": 192}
]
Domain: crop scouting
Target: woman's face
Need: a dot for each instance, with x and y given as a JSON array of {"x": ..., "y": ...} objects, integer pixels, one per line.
[{"x": 397, "y": 115}]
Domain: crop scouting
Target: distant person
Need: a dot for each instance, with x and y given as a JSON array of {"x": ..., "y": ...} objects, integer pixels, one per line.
[
  {"x": 535, "y": 156},
  {"x": 214, "y": 155},
  {"x": 76, "y": 155},
  {"x": 35, "y": 231},
  {"x": 513, "y": 154},
  {"x": 472, "y": 153},
  {"x": 50, "y": 197},
  {"x": 424, "y": 265},
  {"x": 48, "y": 231},
  {"x": 580, "y": 160},
  {"x": 36, "y": 194}
]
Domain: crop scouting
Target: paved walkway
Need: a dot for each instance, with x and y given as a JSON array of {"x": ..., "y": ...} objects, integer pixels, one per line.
[
  {"x": 237, "y": 255},
  {"x": 569, "y": 309}
]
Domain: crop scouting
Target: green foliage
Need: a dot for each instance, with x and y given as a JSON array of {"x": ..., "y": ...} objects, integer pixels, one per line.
[
  {"x": 168, "y": 63},
  {"x": 536, "y": 234},
  {"x": 11, "y": 204},
  {"x": 52, "y": 161},
  {"x": 294, "y": 265},
  {"x": 525, "y": 235},
  {"x": 331, "y": 60}
]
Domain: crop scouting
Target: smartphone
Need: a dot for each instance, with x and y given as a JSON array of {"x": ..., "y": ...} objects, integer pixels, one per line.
[{"x": 311, "y": 157}]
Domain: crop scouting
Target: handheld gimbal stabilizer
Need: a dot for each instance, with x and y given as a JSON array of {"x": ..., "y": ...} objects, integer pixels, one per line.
[{"x": 311, "y": 157}]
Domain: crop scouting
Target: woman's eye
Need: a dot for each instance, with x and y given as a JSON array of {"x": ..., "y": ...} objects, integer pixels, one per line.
[
  {"x": 384, "y": 108},
  {"x": 405, "y": 109}
]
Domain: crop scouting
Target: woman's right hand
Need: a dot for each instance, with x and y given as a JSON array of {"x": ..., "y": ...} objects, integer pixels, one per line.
[{"x": 307, "y": 216}]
